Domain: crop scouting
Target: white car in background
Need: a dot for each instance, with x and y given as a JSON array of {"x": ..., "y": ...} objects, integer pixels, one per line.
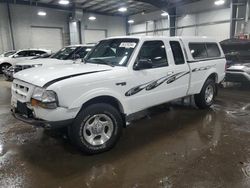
[
  {"x": 66, "y": 55},
  {"x": 8, "y": 53},
  {"x": 7, "y": 61}
]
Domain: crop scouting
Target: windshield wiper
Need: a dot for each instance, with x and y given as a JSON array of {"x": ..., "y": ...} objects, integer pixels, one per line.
[{"x": 102, "y": 61}]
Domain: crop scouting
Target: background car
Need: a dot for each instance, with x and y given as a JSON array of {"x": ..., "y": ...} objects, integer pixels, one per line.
[
  {"x": 6, "y": 62},
  {"x": 237, "y": 53},
  {"x": 65, "y": 55},
  {"x": 8, "y": 53}
]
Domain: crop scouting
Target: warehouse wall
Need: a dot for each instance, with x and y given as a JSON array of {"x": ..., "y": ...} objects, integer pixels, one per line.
[
  {"x": 112, "y": 25},
  {"x": 149, "y": 24},
  {"x": 209, "y": 21},
  {"x": 5, "y": 40},
  {"x": 24, "y": 18}
]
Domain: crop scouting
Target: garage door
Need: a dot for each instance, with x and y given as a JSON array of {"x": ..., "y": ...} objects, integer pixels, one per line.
[
  {"x": 48, "y": 38},
  {"x": 93, "y": 36}
]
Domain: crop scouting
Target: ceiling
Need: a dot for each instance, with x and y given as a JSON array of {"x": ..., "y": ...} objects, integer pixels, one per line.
[{"x": 108, "y": 7}]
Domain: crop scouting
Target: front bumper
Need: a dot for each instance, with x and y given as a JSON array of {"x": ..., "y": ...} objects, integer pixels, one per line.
[
  {"x": 40, "y": 123},
  {"x": 233, "y": 76}
]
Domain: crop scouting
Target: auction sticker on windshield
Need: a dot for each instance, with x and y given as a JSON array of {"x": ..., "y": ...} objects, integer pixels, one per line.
[{"x": 127, "y": 45}]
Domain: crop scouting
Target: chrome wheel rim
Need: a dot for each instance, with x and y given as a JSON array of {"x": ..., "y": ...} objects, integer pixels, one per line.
[
  {"x": 209, "y": 94},
  {"x": 4, "y": 68},
  {"x": 98, "y": 129}
]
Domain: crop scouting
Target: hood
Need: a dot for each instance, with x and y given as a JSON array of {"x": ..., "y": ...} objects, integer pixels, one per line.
[
  {"x": 240, "y": 67},
  {"x": 4, "y": 59},
  {"x": 43, "y": 61},
  {"x": 40, "y": 76}
]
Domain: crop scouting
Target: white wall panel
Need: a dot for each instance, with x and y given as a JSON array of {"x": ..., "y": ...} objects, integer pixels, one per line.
[
  {"x": 93, "y": 36},
  {"x": 138, "y": 28},
  {"x": 114, "y": 25},
  {"x": 46, "y": 38},
  {"x": 188, "y": 19},
  {"x": 186, "y": 31},
  {"x": 218, "y": 31},
  {"x": 214, "y": 16}
]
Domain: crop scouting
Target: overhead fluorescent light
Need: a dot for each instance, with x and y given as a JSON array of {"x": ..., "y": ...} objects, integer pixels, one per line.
[
  {"x": 122, "y": 9},
  {"x": 63, "y": 2},
  {"x": 164, "y": 14},
  {"x": 41, "y": 13},
  {"x": 131, "y": 21},
  {"x": 219, "y": 2},
  {"x": 92, "y": 18}
]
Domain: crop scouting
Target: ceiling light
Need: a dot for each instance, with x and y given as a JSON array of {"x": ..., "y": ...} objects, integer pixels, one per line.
[
  {"x": 131, "y": 21},
  {"x": 41, "y": 13},
  {"x": 92, "y": 18},
  {"x": 164, "y": 14},
  {"x": 63, "y": 2},
  {"x": 122, "y": 9},
  {"x": 219, "y": 2}
]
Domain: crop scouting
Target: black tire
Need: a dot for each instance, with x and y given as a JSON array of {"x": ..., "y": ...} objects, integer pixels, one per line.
[
  {"x": 200, "y": 99},
  {"x": 76, "y": 130},
  {"x": 6, "y": 65}
]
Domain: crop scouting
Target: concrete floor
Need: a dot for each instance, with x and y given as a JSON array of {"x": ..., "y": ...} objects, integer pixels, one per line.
[{"x": 174, "y": 146}]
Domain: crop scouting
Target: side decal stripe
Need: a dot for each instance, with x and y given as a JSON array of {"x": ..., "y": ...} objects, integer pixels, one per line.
[{"x": 70, "y": 76}]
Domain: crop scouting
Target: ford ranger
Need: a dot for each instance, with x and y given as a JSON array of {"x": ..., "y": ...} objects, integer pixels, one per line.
[{"x": 119, "y": 77}]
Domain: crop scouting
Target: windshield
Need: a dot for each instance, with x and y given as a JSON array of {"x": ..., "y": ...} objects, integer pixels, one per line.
[
  {"x": 7, "y": 54},
  {"x": 115, "y": 52},
  {"x": 64, "y": 53}
]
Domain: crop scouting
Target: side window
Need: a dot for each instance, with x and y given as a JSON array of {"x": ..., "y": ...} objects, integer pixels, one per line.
[
  {"x": 177, "y": 52},
  {"x": 83, "y": 52},
  {"x": 198, "y": 50},
  {"x": 213, "y": 50},
  {"x": 154, "y": 51},
  {"x": 23, "y": 54}
]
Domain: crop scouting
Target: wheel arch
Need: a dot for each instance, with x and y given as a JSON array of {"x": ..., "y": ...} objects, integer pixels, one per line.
[{"x": 105, "y": 99}]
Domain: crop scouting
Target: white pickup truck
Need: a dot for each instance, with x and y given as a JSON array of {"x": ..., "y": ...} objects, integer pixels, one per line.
[{"x": 119, "y": 77}]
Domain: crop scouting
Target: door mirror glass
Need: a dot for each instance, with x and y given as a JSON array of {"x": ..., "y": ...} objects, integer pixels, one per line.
[{"x": 143, "y": 64}]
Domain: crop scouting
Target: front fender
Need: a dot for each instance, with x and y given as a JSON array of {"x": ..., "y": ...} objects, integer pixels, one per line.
[{"x": 98, "y": 93}]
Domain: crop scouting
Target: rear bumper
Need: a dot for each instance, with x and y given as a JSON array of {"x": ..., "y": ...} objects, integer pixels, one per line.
[
  {"x": 237, "y": 77},
  {"x": 41, "y": 123}
]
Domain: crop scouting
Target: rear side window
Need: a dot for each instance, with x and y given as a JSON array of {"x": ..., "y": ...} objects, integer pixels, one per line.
[
  {"x": 213, "y": 50},
  {"x": 198, "y": 51},
  {"x": 204, "y": 50},
  {"x": 177, "y": 52}
]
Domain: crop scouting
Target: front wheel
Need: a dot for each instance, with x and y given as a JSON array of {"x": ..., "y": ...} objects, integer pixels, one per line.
[
  {"x": 205, "y": 98},
  {"x": 4, "y": 67},
  {"x": 96, "y": 129}
]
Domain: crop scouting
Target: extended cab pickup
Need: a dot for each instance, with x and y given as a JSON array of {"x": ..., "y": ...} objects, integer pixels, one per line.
[{"x": 119, "y": 77}]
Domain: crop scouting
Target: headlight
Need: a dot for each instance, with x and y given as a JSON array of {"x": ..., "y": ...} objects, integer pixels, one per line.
[{"x": 44, "y": 98}]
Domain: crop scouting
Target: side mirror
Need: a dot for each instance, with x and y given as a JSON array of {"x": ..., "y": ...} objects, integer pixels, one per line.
[{"x": 143, "y": 64}]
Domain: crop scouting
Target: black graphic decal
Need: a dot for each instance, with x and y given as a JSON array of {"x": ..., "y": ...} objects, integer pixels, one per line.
[
  {"x": 203, "y": 68},
  {"x": 154, "y": 84}
]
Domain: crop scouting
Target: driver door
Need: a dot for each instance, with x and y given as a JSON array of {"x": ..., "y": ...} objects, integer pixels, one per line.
[{"x": 166, "y": 79}]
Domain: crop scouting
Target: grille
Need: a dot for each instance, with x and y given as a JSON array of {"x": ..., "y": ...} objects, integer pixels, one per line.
[{"x": 22, "y": 91}]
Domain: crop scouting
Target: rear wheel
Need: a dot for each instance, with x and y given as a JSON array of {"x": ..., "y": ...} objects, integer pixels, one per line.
[
  {"x": 96, "y": 129},
  {"x": 206, "y": 97},
  {"x": 4, "y": 66}
]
